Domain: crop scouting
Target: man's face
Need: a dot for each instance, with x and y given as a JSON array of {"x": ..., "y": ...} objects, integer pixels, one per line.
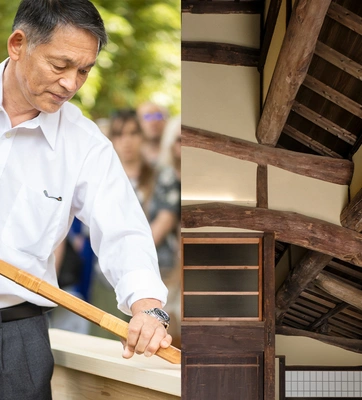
[{"x": 51, "y": 74}]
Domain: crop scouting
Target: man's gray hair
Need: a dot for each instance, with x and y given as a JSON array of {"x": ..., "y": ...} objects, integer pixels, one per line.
[{"x": 39, "y": 18}]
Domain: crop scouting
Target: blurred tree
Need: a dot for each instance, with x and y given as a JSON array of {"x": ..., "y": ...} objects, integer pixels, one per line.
[{"x": 141, "y": 61}]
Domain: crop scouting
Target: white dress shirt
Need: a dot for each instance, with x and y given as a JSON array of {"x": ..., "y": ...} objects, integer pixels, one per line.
[{"x": 66, "y": 157}]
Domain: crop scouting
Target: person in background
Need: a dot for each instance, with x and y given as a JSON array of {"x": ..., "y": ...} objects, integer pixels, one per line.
[
  {"x": 165, "y": 207},
  {"x": 57, "y": 165},
  {"x": 152, "y": 118},
  {"x": 128, "y": 138}
]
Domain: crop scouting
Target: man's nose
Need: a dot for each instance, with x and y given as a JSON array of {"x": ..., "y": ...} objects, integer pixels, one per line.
[{"x": 69, "y": 81}]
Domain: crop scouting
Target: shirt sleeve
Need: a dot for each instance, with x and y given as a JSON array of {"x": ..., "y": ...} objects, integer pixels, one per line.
[{"x": 119, "y": 231}]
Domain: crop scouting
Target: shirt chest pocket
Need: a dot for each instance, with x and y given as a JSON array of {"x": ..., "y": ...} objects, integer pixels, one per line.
[{"x": 32, "y": 223}]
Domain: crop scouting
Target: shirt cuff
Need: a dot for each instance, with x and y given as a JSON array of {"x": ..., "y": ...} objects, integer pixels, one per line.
[{"x": 137, "y": 285}]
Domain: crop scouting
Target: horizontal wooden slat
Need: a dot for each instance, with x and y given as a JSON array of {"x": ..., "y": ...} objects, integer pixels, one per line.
[
  {"x": 324, "y": 123},
  {"x": 339, "y": 60},
  {"x": 333, "y": 95},
  {"x": 219, "y": 53},
  {"x": 346, "y": 17},
  {"x": 309, "y": 142},
  {"x": 222, "y": 7}
]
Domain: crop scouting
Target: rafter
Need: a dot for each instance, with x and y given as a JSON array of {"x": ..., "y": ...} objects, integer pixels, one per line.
[
  {"x": 324, "y": 123},
  {"x": 309, "y": 142},
  {"x": 318, "y": 322},
  {"x": 333, "y": 95},
  {"x": 339, "y": 289},
  {"x": 298, "y": 279},
  {"x": 345, "y": 17},
  {"x": 291, "y": 68},
  {"x": 339, "y": 60}
]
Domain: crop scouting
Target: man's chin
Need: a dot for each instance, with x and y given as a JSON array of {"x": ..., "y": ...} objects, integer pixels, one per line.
[{"x": 50, "y": 108}]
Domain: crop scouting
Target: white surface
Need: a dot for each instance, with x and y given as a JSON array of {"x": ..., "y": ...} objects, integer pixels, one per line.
[{"x": 103, "y": 357}]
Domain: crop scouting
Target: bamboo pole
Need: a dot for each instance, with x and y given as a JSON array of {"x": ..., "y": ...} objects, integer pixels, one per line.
[{"x": 78, "y": 306}]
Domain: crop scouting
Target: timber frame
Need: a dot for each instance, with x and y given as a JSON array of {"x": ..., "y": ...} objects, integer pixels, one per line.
[{"x": 310, "y": 125}]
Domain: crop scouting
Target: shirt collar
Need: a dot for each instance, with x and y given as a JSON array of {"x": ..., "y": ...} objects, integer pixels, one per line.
[{"x": 48, "y": 123}]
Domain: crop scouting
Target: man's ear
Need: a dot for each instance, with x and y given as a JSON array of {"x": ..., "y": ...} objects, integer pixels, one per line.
[{"x": 16, "y": 44}]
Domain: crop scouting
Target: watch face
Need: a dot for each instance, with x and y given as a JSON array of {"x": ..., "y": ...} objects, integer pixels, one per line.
[{"x": 162, "y": 314}]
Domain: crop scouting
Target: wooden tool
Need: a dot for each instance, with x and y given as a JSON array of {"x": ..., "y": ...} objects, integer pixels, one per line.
[{"x": 78, "y": 306}]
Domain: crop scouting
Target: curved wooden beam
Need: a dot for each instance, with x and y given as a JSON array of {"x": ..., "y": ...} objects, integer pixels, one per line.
[
  {"x": 289, "y": 227},
  {"x": 292, "y": 65},
  {"x": 327, "y": 169},
  {"x": 347, "y": 344}
]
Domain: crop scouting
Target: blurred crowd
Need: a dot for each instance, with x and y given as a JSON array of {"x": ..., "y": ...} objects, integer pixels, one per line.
[{"x": 148, "y": 143}]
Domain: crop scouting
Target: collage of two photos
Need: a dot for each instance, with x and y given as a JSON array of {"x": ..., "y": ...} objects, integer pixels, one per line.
[{"x": 180, "y": 195}]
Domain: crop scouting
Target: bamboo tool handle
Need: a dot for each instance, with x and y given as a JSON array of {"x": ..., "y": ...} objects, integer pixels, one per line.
[{"x": 78, "y": 306}]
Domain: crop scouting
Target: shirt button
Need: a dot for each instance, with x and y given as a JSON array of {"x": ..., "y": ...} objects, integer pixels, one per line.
[{"x": 8, "y": 135}]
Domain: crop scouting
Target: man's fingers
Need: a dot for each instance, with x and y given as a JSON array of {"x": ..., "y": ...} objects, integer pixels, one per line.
[{"x": 145, "y": 336}]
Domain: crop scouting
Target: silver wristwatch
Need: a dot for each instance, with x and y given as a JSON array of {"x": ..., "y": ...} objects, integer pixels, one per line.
[{"x": 161, "y": 315}]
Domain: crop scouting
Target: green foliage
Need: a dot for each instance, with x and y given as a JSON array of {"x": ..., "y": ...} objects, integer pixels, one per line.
[{"x": 141, "y": 61}]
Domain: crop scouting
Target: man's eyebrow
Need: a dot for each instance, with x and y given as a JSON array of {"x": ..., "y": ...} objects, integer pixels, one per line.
[{"x": 72, "y": 62}]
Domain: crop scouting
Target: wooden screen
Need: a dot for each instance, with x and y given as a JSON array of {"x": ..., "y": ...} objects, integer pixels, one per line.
[{"x": 227, "y": 317}]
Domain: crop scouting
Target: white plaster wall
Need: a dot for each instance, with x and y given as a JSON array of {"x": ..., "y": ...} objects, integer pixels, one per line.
[
  {"x": 291, "y": 192},
  {"x": 306, "y": 351},
  {"x": 221, "y": 98},
  {"x": 240, "y": 29},
  {"x": 214, "y": 177}
]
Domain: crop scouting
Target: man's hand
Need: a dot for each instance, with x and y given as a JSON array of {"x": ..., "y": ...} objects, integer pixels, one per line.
[{"x": 145, "y": 333}]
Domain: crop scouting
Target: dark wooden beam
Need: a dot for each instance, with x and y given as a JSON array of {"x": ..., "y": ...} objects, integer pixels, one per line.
[
  {"x": 310, "y": 305},
  {"x": 268, "y": 315},
  {"x": 351, "y": 215},
  {"x": 298, "y": 279},
  {"x": 333, "y": 95},
  {"x": 347, "y": 344},
  {"x": 337, "y": 171},
  {"x": 324, "y": 318},
  {"x": 268, "y": 31},
  {"x": 339, "y": 60},
  {"x": 350, "y": 321},
  {"x": 324, "y": 123},
  {"x": 347, "y": 329},
  {"x": 309, "y": 142},
  {"x": 222, "y": 7},
  {"x": 345, "y": 17},
  {"x": 291, "y": 68},
  {"x": 337, "y": 266},
  {"x": 290, "y": 227},
  {"x": 339, "y": 289},
  {"x": 219, "y": 53},
  {"x": 262, "y": 186}
]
